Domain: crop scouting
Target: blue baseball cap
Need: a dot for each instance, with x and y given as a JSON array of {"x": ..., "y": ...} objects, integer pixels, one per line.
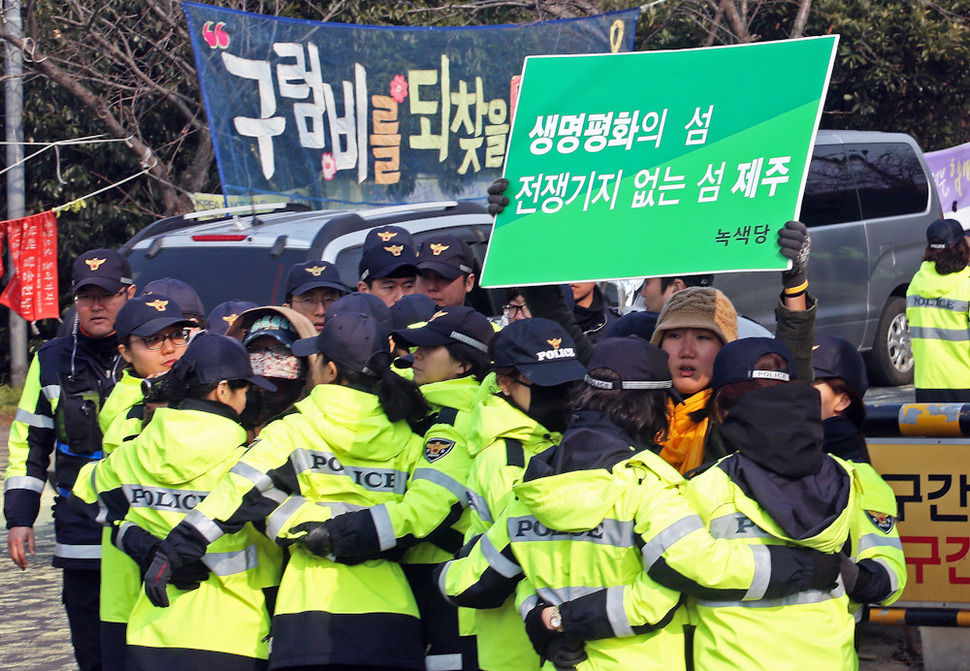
[
  {"x": 353, "y": 339},
  {"x": 181, "y": 292},
  {"x": 837, "y": 357},
  {"x": 540, "y": 349},
  {"x": 303, "y": 277},
  {"x": 412, "y": 309},
  {"x": 367, "y": 304},
  {"x": 450, "y": 324},
  {"x": 736, "y": 360},
  {"x": 213, "y": 358},
  {"x": 103, "y": 268},
  {"x": 637, "y": 363},
  {"x": 224, "y": 314},
  {"x": 147, "y": 315}
]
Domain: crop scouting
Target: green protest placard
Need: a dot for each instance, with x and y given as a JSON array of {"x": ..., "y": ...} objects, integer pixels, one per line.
[{"x": 657, "y": 163}]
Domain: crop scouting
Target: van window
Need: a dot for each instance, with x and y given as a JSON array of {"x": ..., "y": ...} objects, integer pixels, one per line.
[
  {"x": 890, "y": 179},
  {"x": 830, "y": 196}
]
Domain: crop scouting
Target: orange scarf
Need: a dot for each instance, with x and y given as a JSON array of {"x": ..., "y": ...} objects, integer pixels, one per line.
[{"x": 684, "y": 447}]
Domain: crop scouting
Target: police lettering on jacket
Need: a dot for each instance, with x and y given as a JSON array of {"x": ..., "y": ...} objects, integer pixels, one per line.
[
  {"x": 372, "y": 479},
  {"x": 160, "y": 498}
]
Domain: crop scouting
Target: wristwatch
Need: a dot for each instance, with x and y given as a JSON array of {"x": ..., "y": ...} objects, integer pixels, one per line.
[{"x": 555, "y": 619}]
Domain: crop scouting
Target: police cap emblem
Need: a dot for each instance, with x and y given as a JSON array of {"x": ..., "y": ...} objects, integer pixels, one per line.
[
  {"x": 395, "y": 249},
  {"x": 386, "y": 236},
  {"x": 315, "y": 270},
  {"x": 436, "y": 248},
  {"x": 158, "y": 304},
  {"x": 94, "y": 264}
]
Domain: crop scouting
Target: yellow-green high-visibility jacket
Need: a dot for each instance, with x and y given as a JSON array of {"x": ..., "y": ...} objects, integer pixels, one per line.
[
  {"x": 595, "y": 531},
  {"x": 123, "y": 412},
  {"x": 876, "y": 547},
  {"x": 120, "y": 420},
  {"x": 938, "y": 311},
  {"x": 154, "y": 481},
  {"x": 337, "y": 453},
  {"x": 810, "y": 630},
  {"x": 436, "y": 490},
  {"x": 502, "y": 440}
]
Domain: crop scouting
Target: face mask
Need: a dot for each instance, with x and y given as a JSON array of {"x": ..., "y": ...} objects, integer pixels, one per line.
[{"x": 548, "y": 406}]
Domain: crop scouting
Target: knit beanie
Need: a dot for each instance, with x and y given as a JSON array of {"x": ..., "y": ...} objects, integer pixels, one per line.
[{"x": 698, "y": 308}]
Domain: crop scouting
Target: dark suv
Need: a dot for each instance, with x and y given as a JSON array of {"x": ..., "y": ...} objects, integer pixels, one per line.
[
  {"x": 868, "y": 200},
  {"x": 246, "y": 253}
]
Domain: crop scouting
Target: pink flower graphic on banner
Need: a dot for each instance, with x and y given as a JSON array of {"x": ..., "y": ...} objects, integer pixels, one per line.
[
  {"x": 399, "y": 88},
  {"x": 329, "y": 166}
]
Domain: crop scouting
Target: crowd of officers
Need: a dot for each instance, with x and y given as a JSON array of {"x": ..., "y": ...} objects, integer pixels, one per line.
[{"x": 386, "y": 479}]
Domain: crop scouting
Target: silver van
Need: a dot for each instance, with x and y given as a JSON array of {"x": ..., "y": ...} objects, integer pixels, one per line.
[{"x": 868, "y": 200}]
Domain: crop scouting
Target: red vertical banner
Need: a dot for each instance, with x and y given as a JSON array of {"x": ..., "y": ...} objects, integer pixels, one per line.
[{"x": 32, "y": 292}]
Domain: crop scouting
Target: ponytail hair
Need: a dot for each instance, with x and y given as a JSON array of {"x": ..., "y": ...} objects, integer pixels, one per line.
[
  {"x": 172, "y": 387},
  {"x": 399, "y": 398}
]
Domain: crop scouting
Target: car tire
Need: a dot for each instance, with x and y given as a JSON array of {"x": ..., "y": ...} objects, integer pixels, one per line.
[{"x": 891, "y": 359}]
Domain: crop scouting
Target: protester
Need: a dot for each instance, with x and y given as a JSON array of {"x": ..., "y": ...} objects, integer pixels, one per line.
[
  {"x": 67, "y": 382},
  {"x": 446, "y": 267},
  {"x": 210, "y": 621},
  {"x": 515, "y": 308},
  {"x": 311, "y": 288},
  {"x": 388, "y": 267},
  {"x": 268, "y": 333},
  {"x": 937, "y": 308},
  {"x": 347, "y": 445}
]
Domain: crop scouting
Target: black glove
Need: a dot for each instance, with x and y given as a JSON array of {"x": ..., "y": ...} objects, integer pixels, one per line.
[
  {"x": 850, "y": 572},
  {"x": 316, "y": 539},
  {"x": 189, "y": 576},
  {"x": 353, "y": 534},
  {"x": 159, "y": 574},
  {"x": 137, "y": 543},
  {"x": 795, "y": 244},
  {"x": 566, "y": 653},
  {"x": 496, "y": 201},
  {"x": 540, "y": 635},
  {"x": 825, "y": 571}
]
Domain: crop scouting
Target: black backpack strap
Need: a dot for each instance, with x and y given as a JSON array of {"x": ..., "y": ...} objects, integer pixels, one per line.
[{"x": 514, "y": 453}]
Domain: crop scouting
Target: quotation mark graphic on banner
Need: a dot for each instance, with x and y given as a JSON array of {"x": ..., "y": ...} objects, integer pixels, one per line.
[{"x": 215, "y": 38}]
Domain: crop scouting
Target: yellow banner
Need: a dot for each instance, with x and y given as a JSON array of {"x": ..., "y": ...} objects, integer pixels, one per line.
[{"x": 931, "y": 479}]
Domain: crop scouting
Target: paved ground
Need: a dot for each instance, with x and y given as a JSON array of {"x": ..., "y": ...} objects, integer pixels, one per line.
[{"x": 34, "y": 634}]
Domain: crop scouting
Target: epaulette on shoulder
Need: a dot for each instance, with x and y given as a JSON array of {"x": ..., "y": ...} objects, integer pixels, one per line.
[{"x": 514, "y": 453}]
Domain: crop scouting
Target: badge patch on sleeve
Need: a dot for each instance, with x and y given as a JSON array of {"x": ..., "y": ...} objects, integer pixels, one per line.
[
  {"x": 436, "y": 448},
  {"x": 883, "y": 522}
]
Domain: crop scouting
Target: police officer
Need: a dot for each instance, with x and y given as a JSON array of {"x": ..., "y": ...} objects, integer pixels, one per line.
[
  {"x": 311, "y": 288},
  {"x": 450, "y": 361},
  {"x": 346, "y": 446},
  {"x": 602, "y": 531},
  {"x": 447, "y": 270},
  {"x": 389, "y": 265},
  {"x": 152, "y": 335},
  {"x": 937, "y": 307},
  {"x": 66, "y": 384},
  {"x": 520, "y": 411},
  {"x": 150, "y": 483}
]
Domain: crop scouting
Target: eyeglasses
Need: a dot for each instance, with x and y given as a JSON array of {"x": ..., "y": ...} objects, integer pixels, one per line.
[
  {"x": 310, "y": 302},
  {"x": 511, "y": 309},
  {"x": 155, "y": 342},
  {"x": 88, "y": 300}
]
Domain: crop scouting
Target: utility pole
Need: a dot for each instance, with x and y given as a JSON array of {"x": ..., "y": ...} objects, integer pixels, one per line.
[{"x": 16, "y": 183}]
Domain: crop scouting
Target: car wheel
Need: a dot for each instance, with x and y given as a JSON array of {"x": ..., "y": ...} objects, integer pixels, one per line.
[{"x": 891, "y": 360}]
